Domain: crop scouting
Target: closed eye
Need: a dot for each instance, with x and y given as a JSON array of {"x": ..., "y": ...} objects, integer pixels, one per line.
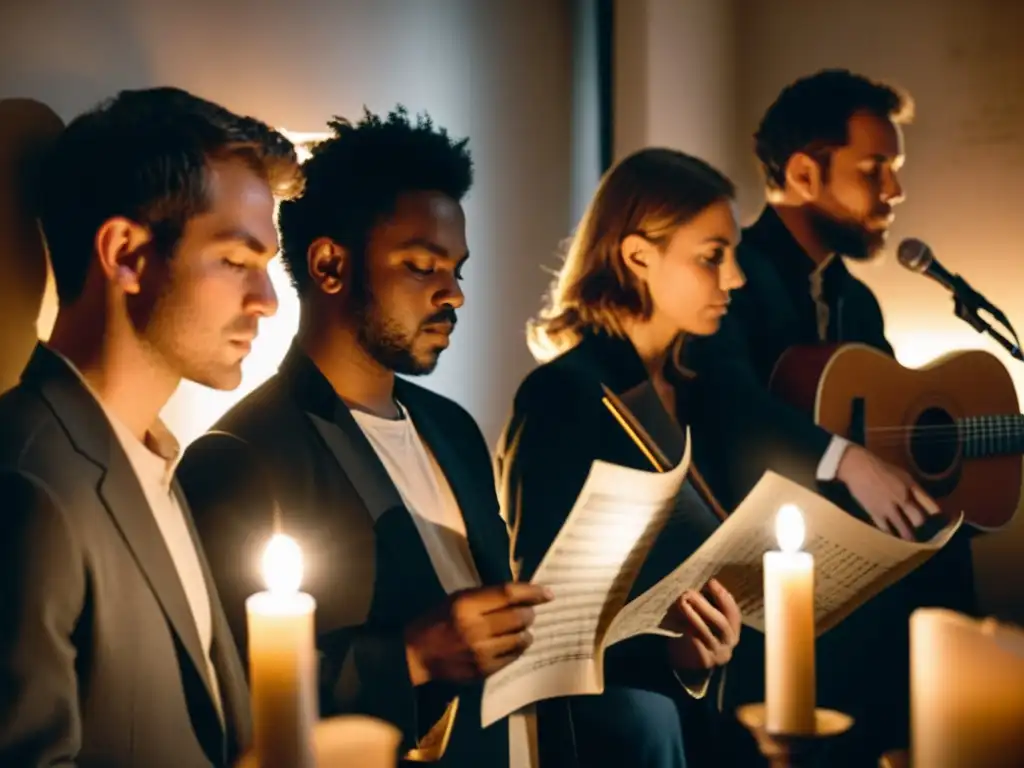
[
  {"x": 419, "y": 270},
  {"x": 716, "y": 257}
]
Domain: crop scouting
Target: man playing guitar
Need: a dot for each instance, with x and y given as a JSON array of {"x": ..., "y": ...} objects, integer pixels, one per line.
[{"x": 831, "y": 147}]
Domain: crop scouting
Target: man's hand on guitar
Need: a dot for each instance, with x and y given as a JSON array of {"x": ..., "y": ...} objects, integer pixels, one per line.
[{"x": 895, "y": 503}]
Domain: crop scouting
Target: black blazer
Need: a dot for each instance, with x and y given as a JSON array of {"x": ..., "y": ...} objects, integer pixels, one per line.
[
  {"x": 558, "y": 428},
  {"x": 751, "y": 430},
  {"x": 866, "y": 657},
  {"x": 100, "y": 660},
  {"x": 293, "y": 443}
]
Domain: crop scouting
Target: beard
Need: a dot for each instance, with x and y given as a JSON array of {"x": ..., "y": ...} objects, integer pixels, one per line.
[
  {"x": 848, "y": 238},
  {"x": 387, "y": 341}
]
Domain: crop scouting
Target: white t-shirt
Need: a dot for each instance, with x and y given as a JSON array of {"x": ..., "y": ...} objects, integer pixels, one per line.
[{"x": 428, "y": 496}]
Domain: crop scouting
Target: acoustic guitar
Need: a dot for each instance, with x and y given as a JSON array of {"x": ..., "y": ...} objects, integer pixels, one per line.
[{"x": 955, "y": 425}]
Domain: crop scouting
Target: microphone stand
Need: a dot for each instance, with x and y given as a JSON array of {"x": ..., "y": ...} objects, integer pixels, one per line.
[{"x": 967, "y": 302}]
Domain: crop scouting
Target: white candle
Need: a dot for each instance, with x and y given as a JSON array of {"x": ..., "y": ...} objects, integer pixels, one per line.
[
  {"x": 282, "y": 661},
  {"x": 352, "y": 741},
  {"x": 789, "y": 629},
  {"x": 967, "y": 691}
]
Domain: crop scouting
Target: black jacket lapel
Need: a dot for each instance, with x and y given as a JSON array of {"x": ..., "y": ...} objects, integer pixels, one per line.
[
  {"x": 357, "y": 459},
  {"x": 397, "y": 537},
  {"x": 475, "y": 497}
]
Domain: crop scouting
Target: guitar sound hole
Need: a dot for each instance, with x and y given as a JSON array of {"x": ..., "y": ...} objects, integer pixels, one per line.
[{"x": 934, "y": 443}]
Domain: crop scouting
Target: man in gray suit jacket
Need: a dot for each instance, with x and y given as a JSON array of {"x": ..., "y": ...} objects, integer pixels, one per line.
[{"x": 114, "y": 650}]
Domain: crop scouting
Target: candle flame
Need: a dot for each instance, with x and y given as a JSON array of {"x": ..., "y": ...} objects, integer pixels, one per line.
[
  {"x": 789, "y": 528},
  {"x": 282, "y": 564}
]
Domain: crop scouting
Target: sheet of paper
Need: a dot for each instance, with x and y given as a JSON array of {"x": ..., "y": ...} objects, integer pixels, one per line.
[
  {"x": 590, "y": 567},
  {"x": 853, "y": 561}
]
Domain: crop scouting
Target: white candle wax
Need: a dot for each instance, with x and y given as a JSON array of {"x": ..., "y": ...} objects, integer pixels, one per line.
[
  {"x": 282, "y": 662},
  {"x": 967, "y": 691},
  {"x": 789, "y": 630}
]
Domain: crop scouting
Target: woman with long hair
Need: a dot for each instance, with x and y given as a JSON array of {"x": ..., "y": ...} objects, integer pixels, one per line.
[{"x": 652, "y": 262}]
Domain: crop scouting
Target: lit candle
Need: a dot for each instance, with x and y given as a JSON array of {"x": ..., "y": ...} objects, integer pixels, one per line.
[
  {"x": 282, "y": 661},
  {"x": 789, "y": 629},
  {"x": 967, "y": 691}
]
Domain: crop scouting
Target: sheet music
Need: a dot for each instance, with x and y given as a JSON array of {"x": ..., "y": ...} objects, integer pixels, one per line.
[
  {"x": 590, "y": 567},
  {"x": 853, "y": 561}
]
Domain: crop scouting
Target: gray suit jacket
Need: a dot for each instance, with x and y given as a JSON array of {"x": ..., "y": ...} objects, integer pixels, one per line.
[{"x": 100, "y": 660}]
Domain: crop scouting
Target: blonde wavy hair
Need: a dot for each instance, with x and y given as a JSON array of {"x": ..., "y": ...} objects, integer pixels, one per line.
[{"x": 651, "y": 193}]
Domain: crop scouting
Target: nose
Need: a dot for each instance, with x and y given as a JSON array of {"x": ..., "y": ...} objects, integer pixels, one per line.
[
  {"x": 450, "y": 294},
  {"x": 892, "y": 192},
  {"x": 730, "y": 276},
  {"x": 261, "y": 298}
]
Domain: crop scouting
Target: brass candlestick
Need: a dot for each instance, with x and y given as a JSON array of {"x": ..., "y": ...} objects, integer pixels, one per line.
[
  {"x": 899, "y": 758},
  {"x": 793, "y": 750}
]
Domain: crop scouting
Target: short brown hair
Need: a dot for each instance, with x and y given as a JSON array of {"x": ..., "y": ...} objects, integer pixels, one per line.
[
  {"x": 650, "y": 193},
  {"x": 144, "y": 155},
  {"x": 812, "y": 115}
]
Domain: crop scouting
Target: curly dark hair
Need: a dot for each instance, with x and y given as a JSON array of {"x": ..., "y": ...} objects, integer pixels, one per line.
[
  {"x": 144, "y": 155},
  {"x": 812, "y": 115},
  {"x": 355, "y": 178}
]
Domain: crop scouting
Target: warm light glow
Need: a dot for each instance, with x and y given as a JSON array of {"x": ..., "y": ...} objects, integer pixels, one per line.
[
  {"x": 304, "y": 141},
  {"x": 789, "y": 528},
  {"x": 195, "y": 408},
  {"x": 917, "y": 348},
  {"x": 282, "y": 564}
]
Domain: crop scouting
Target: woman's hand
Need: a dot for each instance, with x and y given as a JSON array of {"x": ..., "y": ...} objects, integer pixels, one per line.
[{"x": 711, "y": 629}]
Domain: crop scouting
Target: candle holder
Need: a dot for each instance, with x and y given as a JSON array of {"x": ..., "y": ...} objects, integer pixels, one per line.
[
  {"x": 793, "y": 750},
  {"x": 899, "y": 758}
]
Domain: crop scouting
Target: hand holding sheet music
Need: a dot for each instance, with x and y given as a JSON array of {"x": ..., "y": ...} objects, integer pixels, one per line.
[
  {"x": 590, "y": 568},
  {"x": 853, "y": 561},
  {"x": 595, "y": 559}
]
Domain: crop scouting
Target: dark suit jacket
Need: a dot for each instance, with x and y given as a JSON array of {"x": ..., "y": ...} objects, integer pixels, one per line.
[
  {"x": 753, "y": 431},
  {"x": 294, "y": 443},
  {"x": 863, "y": 663},
  {"x": 100, "y": 660},
  {"x": 558, "y": 428}
]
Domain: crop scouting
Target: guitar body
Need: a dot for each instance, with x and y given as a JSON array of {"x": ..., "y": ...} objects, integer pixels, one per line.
[{"x": 908, "y": 417}]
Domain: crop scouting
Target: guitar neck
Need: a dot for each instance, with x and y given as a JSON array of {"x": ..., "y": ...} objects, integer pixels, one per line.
[{"x": 987, "y": 436}]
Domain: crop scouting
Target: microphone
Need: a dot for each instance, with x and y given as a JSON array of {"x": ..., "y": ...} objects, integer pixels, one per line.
[{"x": 917, "y": 256}]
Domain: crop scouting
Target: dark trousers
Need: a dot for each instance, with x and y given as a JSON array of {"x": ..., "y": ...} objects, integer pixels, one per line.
[{"x": 628, "y": 727}]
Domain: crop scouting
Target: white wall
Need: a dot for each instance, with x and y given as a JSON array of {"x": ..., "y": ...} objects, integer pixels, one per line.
[
  {"x": 698, "y": 75},
  {"x": 675, "y": 78},
  {"x": 496, "y": 72}
]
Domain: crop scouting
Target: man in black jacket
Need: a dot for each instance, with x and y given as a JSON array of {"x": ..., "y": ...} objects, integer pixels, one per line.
[
  {"x": 387, "y": 486},
  {"x": 831, "y": 147}
]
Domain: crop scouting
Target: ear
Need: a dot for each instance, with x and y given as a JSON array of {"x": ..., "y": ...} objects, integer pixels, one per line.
[
  {"x": 325, "y": 260},
  {"x": 803, "y": 176},
  {"x": 637, "y": 253},
  {"x": 119, "y": 246}
]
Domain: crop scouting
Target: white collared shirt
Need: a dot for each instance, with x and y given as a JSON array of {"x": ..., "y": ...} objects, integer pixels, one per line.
[
  {"x": 829, "y": 463},
  {"x": 154, "y": 462}
]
